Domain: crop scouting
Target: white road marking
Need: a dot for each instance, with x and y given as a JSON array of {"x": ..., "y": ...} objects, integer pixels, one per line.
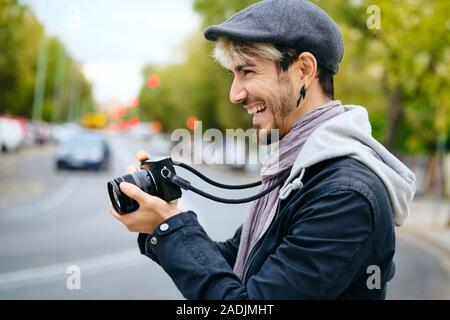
[
  {"x": 46, "y": 204},
  {"x": 26, "y": 277},
  {"x": 9, "y": 162},
  {"x": 97, "y": 264}
]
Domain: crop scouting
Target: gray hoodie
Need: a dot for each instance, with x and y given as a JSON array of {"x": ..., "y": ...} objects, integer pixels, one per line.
[{"x": 350, "y": 134}]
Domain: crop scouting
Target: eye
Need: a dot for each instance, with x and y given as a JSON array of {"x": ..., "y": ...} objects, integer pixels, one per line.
[{"x": 247, "y": 71}]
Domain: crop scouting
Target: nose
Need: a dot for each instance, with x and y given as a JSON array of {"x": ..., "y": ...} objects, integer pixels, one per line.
[{"x": 238, "y": 93}]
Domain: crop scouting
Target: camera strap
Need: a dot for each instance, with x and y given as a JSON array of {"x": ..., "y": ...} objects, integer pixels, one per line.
[
  {"x": 215, "y": 183},
  {"x": 186, "y": 185}
]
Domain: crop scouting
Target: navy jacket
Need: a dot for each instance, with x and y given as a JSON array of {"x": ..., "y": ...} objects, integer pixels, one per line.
[{"x": 321, "y": 244}]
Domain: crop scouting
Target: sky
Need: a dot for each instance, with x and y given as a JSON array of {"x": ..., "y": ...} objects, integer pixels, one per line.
[{"x": 114, "y": 39}]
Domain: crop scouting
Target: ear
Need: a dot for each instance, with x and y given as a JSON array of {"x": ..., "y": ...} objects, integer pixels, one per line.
[{"x": 307, "y": 64}]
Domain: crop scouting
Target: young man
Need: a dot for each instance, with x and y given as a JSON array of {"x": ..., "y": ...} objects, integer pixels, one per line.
[{"x": 328, "y": 232}]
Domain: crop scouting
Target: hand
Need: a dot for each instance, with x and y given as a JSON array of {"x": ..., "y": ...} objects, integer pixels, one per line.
[{"x": 152, "y": 210}]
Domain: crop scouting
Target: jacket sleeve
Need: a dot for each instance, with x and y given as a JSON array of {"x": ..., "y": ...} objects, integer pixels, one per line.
[
  {"x": 229, "y": 248},
  {"x": 325, "y": 249}
]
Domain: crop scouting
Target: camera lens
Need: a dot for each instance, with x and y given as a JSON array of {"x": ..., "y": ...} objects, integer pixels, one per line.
[
  {"x": 120, "y": 201},
  {"x": 116, "y": 198}
]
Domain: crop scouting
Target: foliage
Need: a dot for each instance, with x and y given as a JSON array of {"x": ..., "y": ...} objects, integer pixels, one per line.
[
  {"x": 400, "y": 72},
  {"x": 66, "y": 94}
]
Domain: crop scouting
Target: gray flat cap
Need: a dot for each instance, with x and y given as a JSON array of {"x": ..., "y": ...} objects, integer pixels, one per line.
[{"x": 297, "y": 24}]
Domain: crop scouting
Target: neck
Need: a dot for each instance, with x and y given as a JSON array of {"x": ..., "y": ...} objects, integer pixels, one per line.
[{"x": 312, "y": 101}]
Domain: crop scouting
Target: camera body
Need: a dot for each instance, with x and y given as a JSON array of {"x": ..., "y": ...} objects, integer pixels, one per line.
[{"x": 152, "y": 178}]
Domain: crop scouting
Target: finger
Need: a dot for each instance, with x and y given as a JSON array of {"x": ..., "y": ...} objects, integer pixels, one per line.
[
  {"x": 124, "y": 219},
  {"x": 114, "y": 213},
  {"x": 142, "y": 156},
  {"x": 133, "y": 191},
  {"x": 130, "y": 169}
]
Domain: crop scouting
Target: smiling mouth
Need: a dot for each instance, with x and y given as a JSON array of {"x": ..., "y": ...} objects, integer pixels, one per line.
[{"x": 257, "y": 109}]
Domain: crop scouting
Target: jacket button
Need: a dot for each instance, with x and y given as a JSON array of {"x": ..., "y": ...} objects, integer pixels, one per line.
[
  {"x": 164, "y": 227},
  {"x": 153, "y": 240}
]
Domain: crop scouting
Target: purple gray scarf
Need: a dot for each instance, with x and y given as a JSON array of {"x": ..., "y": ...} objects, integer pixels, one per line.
[{"x": 288, "y": 150}]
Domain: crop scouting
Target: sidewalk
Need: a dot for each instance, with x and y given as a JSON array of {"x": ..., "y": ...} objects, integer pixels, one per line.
[{"x": 429, "y": 220}]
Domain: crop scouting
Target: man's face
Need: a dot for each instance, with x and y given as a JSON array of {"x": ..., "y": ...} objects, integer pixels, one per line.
[{"x": 266, "y": 94}]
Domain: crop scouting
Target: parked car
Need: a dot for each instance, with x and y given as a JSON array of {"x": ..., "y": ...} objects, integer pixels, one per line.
[
  {"x": 41, "y": 131},
  {"x": 160, "y": 145},
  {"x": 235, "y": 154},
  {"x": 28, "y": 138},
  {"x": 63, "y": 132},
  {"x": 11, "y": 134},
  {"x": 85, "y": 150},
  {"x": 141, "y": 132}
]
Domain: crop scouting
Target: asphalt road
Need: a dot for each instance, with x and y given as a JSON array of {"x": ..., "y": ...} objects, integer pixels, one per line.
[{"x": 52, "y": 220}]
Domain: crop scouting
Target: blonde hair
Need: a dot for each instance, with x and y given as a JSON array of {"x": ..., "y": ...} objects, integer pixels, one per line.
[{"x": 229, "y": 53}]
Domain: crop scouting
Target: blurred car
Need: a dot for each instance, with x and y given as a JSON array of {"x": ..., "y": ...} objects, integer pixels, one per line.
[
  {"x": 141, "y": 132},
  {"x": 11, "y": 134},
  {"x": 40, "y": 131},
  {"x": 27, "y": 131},
  {"x": 63, "y": 132},
  {"x": 86, "y": 150},
  {"x": 235, "y": 154},
  {"x": 160, "y": 145}
]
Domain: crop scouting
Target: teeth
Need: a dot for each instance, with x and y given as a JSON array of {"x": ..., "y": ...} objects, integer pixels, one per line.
[{"x": 256, "y": 109}]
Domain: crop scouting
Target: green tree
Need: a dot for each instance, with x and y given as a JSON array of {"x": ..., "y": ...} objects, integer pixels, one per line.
[
  {"x": 19, "y": 39},
  {"x": 399, "y": 72},
  {"x": 67, "y": 94},
  {"x": 404, "y": 65}
]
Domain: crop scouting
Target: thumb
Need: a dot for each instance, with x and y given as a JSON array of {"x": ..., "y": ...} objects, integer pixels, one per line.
[{"x": 133, "y": 191}]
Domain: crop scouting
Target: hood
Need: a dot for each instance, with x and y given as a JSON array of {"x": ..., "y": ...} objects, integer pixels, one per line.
[{"x": 350, "y": 134}]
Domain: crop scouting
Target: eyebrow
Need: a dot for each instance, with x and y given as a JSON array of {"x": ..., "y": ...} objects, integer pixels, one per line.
[{"x": 239, "y": 67}]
